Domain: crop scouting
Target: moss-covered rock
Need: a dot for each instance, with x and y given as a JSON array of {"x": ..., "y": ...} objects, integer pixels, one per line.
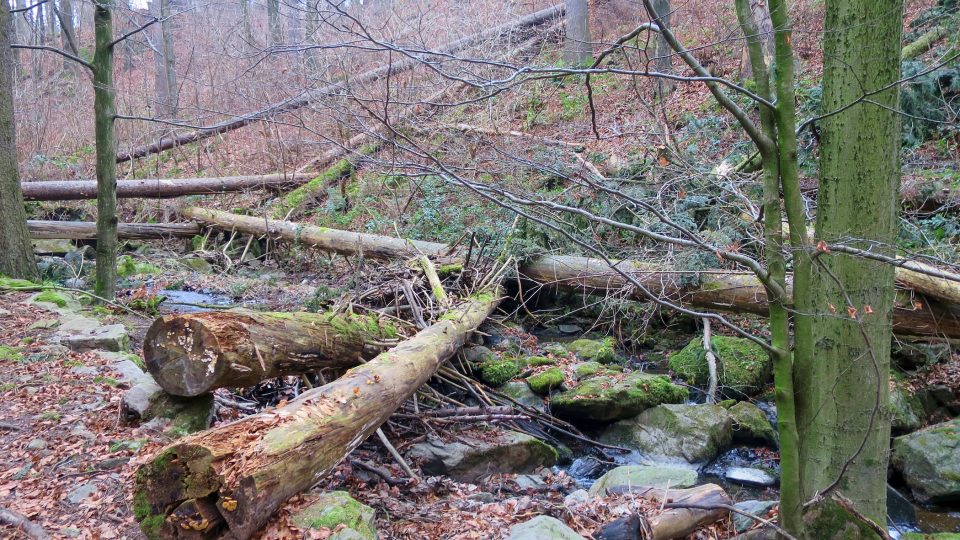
[
  {"x": 498, "y": 372},
  {"x": 9, "y": 353},
  {"x": 13, "y": 283},
  {"x": 127, "y": 267},
  {"x": 542, "y": 528},
  {"x": 751, "y": 426},
  {"x": 469, "y": 459},
  {"x": 743, "y": 367},
  {"x": 520, "y": 392},
  {"x": 556, "y": 349},
  {"x": 929, "y": 461},
  {"x": 906, "y": 411},
  {"x": 542, "y": 383},
  {"x": 537, "y": 361},
  {"x": 830, "y": 521},
  {"x": 51, "y": 297},
  {"x": 695, "y": 433},
  {"x": 585, "y": 370},
  {"x": 609, "y": 398},
  {"x": 478, "y": 354},
  {"x": 643, "y": 475},
  {"x": 595, "y": 350},
  {"x": 930, "y": 536},
  {"x": 338, "y": 508}
]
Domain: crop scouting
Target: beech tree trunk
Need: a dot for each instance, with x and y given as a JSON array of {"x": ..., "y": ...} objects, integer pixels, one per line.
[
  {"x": 578, "y": 45},
  {"x": 192, "y": 354},
  {"x": 87, "y": 230},
  {"x": 16, "y": 253},
  {"x": 733, "y": 291},
  {"x": 231, "y": 479},
  {"x": 158, "y": 188}
]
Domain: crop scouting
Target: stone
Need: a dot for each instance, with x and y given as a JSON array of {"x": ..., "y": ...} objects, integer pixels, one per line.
[
  {"x": 53, "y": 246},
  {"x": 830, "y": 521},
  {"x": 930, "y": 536},
  {"x": 197, "y": 264},
  {"x": 911, "y": 355},
  {"x": 743, "y": 367},
  {"x": 112, "y": 463},
  {"x": 57, "y": 301},
  {"x": 81, "y": 431},
  {"x": 81, "y": 492},
  {"x": 530, "y": 482},
  {"x": 37, "y": 444},
  {"x": 906, "y": 411},
  {"x": 751, "y": 426},
  {"x": 542, "y": 383},
  {"x": 338, "y": 508},
  {"x": 574, "y": 498},
  {"x": 609, "y": 398},
  {"x": 758, "y": 508},
  {"x": 520, "y": 392},
  {"x": 78, "y": 324},
  {"x": 899, "y": 508},
  {"x": 90, "y": 371},
  {"x": 468, "y": 459},
  {"x": 695, "y": 433},
  {"x": 147, "y": 401},
  {"x": 625, "y": 528},
  {"x": 44, "y": 324},
  {"x": 537, "y": 361},
  {"x": 556, "y": 349},
  {"x": 499, "y": 372},
  {"x": 747, "y": 476},
  {"x": 75, "y": 283},
  {"x": 929, "y": 461},
  {"x": 107, "y": 338},
  {"x": 569, "y": 329},
  {"x": 543, "y": 528},
  {"x": 125, "y": 368},
  {"x": 629, "y": 476},
  {"x": 585, "y": 370},
  {"x": 594, "y": 350}
]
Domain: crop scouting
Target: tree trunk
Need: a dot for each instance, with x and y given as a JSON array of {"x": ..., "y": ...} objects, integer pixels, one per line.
[
  {"x": 842, "y": 394},
  {"x": 231, "y": 479},
  {"x": 87, "y": 230},
  {"x": 192, "y": 354},
  {"x": 662, "y": 50},
  {"x": 104, "y": 111},
  {"x": 68, "y": 34},
  {"x": 578, "y": 45},
  {"x": 730, "y": 291},
  {"x": 16, "y": 253},
  {"x": 159, "y": 188},
  {"x": 169, "y": 73},
  {"x": 275, "y": 33}
]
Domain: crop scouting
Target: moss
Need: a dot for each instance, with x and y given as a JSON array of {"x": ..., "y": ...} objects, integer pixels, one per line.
[
  {"x": 727, "y": 403},
  {"x": 543, "y": 383},
  {"x": 594, "y": 350},
  {"x": 606, "y": 399},
  {"x": 10, "y": 353},
  {"x": 932, "y": 536},
  {"x": 364, "y": 325},
  {"x": 51, "y": 297},
  {"x": 743, "y": 366},
  {"x": 299, "y": 196},
  {"x": 589, "y": 369},
  {"x": 11, "y": 283},
  {"x": 536, "y": 361},
  {"x": 127, "y": 267},
  {"x": 336, "y": 508},
  {"x": 751, "y": 425},
  {"x": 830, "y": 521},
  {"x": 448, "y": 269},
  {"x": 497, "y": 373},
  {"x": 150, "y": 523}
]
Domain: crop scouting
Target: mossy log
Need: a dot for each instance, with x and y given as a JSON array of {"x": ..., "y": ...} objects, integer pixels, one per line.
[
  {"x": 158, "y": 188},
  {"x": 192, "y": 354},
  {"x": 291, "y": 204},
  {"x": 87, "y": 230},
  {"x": 231, "y": 479},
  {"x": 739, "y": 292}
]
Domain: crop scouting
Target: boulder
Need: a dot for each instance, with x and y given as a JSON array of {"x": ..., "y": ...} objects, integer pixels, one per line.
[
  {"x": 468, "y": 459},
  {"x": 585, "y": 370},
  {"x": 542, "y": 528},
  {"x": 906, "y": 411},
  {"x": 911, "y": 355},
  {"x": 147, "y": 401},
  {"x": 758, "y": 508},
  {"x": 112, "y": 337},
  {"x": 522, "y": 394},
  {"x": 751, "y": 426},
  {"x": 338, "y": 508},
  {"x": 629, "y": 476},
  {"x": 594, "y": 350},
  {"x": 748, "y": 476},
  {"x": 695, "y": 433},
  {"x": 608, "y": 398},
  {"x": 478, "y": 354},
  {"x": 498, "y": 372},
  {"x": 542, "y": 383},
  {"x": 743, "y": 367},
  {"x": 830, "y": 521},
  {"x": 929, "y": 461}
]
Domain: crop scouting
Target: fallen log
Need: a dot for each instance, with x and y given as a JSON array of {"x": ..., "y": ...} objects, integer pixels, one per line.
[
  {"x": 231, "y": 479},
  {"x": 707, "y": 504},
  {"x": 721, "y": 290},
  {"x": 192, "y": 354},
  {"x": 158, "y": 188},
  {"x": 87, "y": 230},
  {"x": 391, "y": 70}
]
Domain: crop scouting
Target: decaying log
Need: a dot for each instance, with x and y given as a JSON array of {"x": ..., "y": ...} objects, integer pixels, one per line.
[
  {"x": 725, "y": 291},
  {"x": 191, "y": 354},
  {"x": 232, "y": 478},
  {"x": 20, "y": 522},
  {"x": 87, "y": 230},
  {"x": 679, "y": 522},
  {"x": 393, "y": 69},
  {"x": 158, "y": 188}
]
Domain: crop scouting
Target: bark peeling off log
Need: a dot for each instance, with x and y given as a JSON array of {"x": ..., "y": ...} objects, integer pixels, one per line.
[{"x": 249, "y": 468}]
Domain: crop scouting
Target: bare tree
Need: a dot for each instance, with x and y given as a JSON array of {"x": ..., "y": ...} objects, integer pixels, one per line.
[{"x": 578, "y": 46}]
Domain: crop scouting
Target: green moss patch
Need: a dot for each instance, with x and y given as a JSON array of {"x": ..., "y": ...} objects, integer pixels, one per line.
[
  {"x": 743, "y": 367},
  {"x": 51, "y": 297},
  {"x": 595, "y": 350},
  {"x": 338, "y": 508},
  {"x": 10, "y": 353},
  {"x": 543, "y": 383},
  {"x": 499, "y": 372},
  {"x": 608, "y": 398},
  {"x": 537, "y": 361}
]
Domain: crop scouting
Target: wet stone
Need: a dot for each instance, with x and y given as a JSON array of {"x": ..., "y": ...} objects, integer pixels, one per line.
[{"x": 750, "y": 477}]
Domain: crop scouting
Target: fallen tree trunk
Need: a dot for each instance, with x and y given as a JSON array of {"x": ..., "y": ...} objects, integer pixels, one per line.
[
  {"x": 231, "y": 479},
  {"x": 708, "y": 504},
  {"x": 392, "y": 70},
  {"x": 724, "y": 291},
  {"x": 192, "y": 354},
  {"x": 158, "y": 188},
  {"x": 87, "y": 230}
]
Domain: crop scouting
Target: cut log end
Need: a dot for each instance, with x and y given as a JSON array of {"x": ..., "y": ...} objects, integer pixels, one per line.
[{"x": 185, "y": 354}]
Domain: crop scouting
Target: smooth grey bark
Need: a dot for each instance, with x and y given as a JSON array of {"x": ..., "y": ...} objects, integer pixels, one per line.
[
  {"x": 16, "y": 251},
  {"x": 274, "y": 34},
  {"x": 68, "y": 36},
  {"x": 663, "y": 54},
  {"x": 578, "y": 49},
  {"x": 169, "y": 59},
  {"x": 104, "y": 107}
]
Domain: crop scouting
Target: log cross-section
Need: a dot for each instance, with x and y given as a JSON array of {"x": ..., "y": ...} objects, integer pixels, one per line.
[{"x": 231, "y": 479}]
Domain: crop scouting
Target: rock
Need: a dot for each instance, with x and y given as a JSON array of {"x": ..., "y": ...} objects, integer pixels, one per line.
[
  {"x": 930, "y": 536},
  {"x": 520, "y": 392},
  {"x": 147, "y": 401},
  {"x": 585, "y": 467},
  {"x": 56, "y": 301},
  {"x": 112, "y": 463},
  {"x": 70, "y": 532},
  {"x": 757, "y": 508},
  {"x": 81, "y": 431},
  {"x": 595, "y": 350},
  {"x": 579, "y": 496},
  {"x": 53, "y": 246},
  {"x": 89, "y": 371},
  {"x": 483, "y": 497},
  {"x": 37, "y": 444},
  {"x": 585, "y": 370},
  {"x": 629, "y": 476},
  {"x": 478, "y": 354},
  {"x": 542, "y": 528},
  {"x": 750, "y": 425},
  {"x": 906, "y": 411},
  {"x": 44, "y": 324},
  {"x": 938, "y": 400},
  {"x": 750, "y": 477},
  {"x": 81, "y": 492},
  {"x": 569, "y": 329},
  {"x": 542, "y": 383},
  {"x": 911, "y": 355},
  {"x": 530, "y": 481},
  {"x": 197, "y": 264},
  {"x": 77, "y": 324},
  {"x": 610, "y": 398},
  {"x": 335, "y": 508},
  {"x": 537, "y": 361},
  {"x": 75, "y": 283},
  {"x": 695, "y": 433},
  {"x": 830, "y": 521},
  {"x": 107, "y": 338},
  {"x": 126, "y": 368},
  {"x": 929, "y": 461},
  {"x": 743, "y": 367},
  {"x": 469, "y": 459},
  {"x": 899, "y": 509},
  {"x": 556, "y": 349},
  {"x": 499, "y": 372},
  {"x": 625, "y": 528}
]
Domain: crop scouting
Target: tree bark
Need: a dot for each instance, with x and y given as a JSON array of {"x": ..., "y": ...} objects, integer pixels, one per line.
[
  {"x": 159, "y": 188},
  {"x": 842, "y": 394},
  {"x": 166, "y": 143},
  {"x": 724, "y": 291},
  {"x": 68, "y": 34},
  {"x": 192, "y": 354},
  {"x": 16, "y": 253},
  {"x": 578, "y": 45},
  {"x": 275, "y": 33},
  {"x": 104, "y": 94},
  {"x": 168, "y": 71},
  {"x": 87, "y": 230},
  {"x": 231, "y": 479}
]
